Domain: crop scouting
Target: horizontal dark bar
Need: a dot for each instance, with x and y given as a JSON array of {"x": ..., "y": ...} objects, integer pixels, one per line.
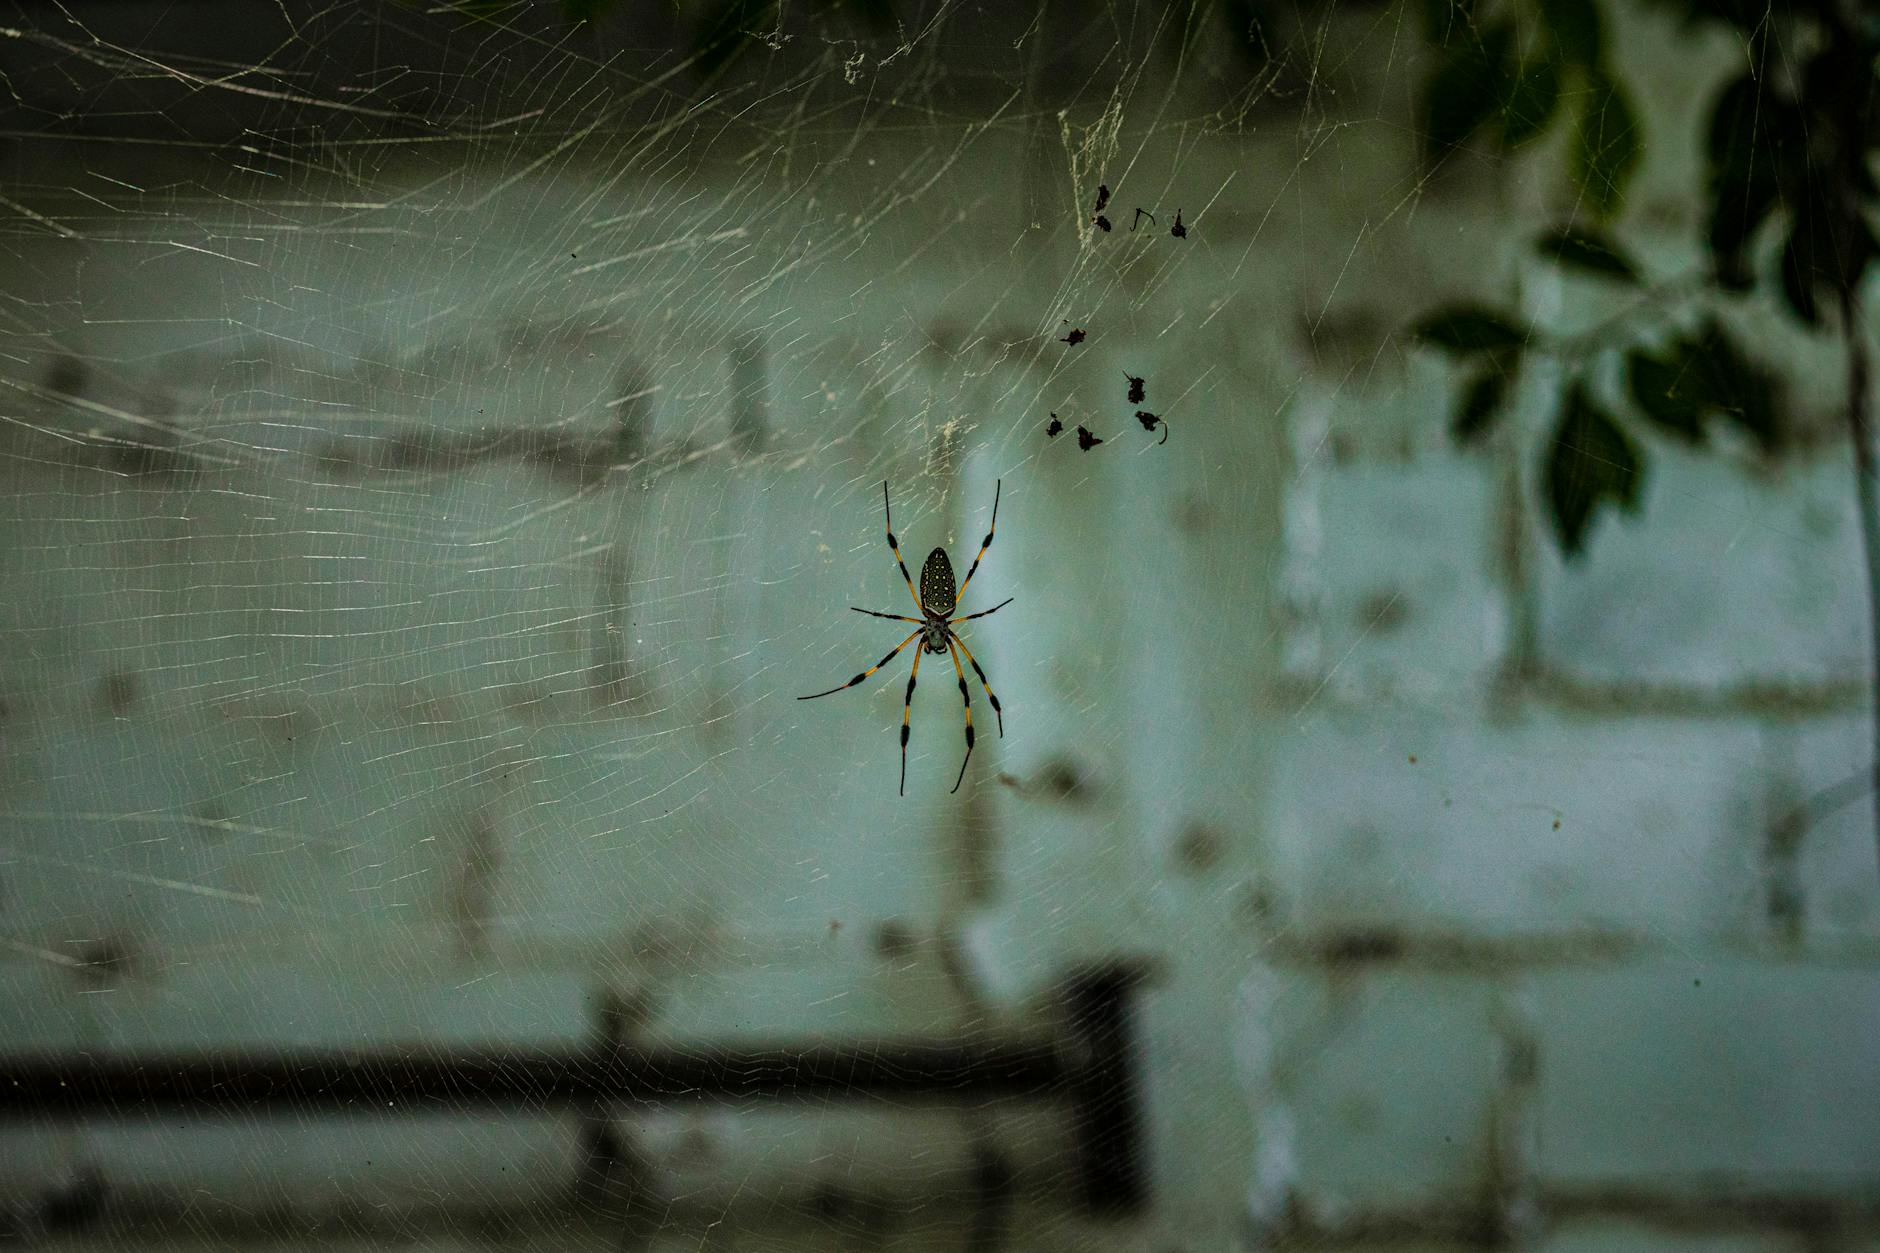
[
  {"x": 391, "y": 1081},
  {"x": 1090, "y": 1065}
]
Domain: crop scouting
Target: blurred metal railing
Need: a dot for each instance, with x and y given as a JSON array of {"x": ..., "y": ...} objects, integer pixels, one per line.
[{"x": 1089, "y": 1063}]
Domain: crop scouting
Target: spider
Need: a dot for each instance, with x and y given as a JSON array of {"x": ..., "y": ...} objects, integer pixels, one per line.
[{"x": 934, "y": 628}]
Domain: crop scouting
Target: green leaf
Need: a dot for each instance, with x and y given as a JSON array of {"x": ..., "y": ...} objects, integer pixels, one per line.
[
  {"x": 1591, "y": 462},
  {"x": 1466, "y": 330},
  {"x": 1481, "y": 403},
  {"x": 1754, "y": 131},
  {"x": 1738, "y": 208},
  {"x": 1588, "y": 250},
  {"x": 1730, "y": 139},
  {"x": 1863, "y": 248},
  {"x": 1743, "y": 391},
  {"x": 1821, "y": 256},
  {"x": 1835, "y": 78},
  {"x": 1702, "y": 376},
  {"x": 1668, "y": 393},
  {"x": 1577, "y": 31},
  {"x": 1467, "y": 89},
  {"x": 1606, "y": 146},
  {"x": 1750, "y": 125},
  {"x": 1802, "y": 271},
  {"x": 1532, "y": 103}
]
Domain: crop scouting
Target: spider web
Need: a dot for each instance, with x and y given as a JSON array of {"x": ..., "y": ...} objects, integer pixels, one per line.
[{"x": 440, "y": 443}]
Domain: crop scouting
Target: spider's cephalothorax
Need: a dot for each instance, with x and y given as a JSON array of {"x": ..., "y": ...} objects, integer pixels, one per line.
[{"x": 936, "y": 601}]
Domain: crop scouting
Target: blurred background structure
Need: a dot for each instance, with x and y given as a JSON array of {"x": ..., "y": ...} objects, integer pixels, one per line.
[{"x": 1434, "y": 807}]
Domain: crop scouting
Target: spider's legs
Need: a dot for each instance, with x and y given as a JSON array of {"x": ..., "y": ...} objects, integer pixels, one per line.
[
  {"x": 983, "y": 612},
  {"x": 967, "y": 698},
  {"x": 892, "y": 617},
  {"x": 864, "y": 674},
  {"x": 895, "y": 545},
  {"x": 907, "y": 703},
  {"x": 990, "y": 694},
  {"x": 990, "y": 532}
]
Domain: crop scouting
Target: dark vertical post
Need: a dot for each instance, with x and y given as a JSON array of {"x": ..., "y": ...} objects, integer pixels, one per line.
[
  {"x": 992, "y": 1199},
  {"x": 750, "y": 401},
  {"x": 614, "y": 1177},
  {"x": 600, "y": 1143},
  {"x": 633, "y": 414},
  {"x": 1106, "y": 1105}
]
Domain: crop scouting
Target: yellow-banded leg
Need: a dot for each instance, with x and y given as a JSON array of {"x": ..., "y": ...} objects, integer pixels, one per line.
[
  {"x": 983, "y": 613},
  {"x": 966, "y": 697},
  {"x": 840, "y": 687},
  {"x": 907, "y": 703},
  {"x": 990, "y": 532},
  {"x": 990, "y": 695},
  {"x": 895, "y": 545}
]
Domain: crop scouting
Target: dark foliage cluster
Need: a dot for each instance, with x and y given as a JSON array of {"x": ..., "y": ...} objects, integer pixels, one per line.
[
  {"x": 1511, "y": 73},
  {"x": 1798, "y": 146},
  {"x": 1791, "y": 145},
  {"x": 1677, "y": 389}
]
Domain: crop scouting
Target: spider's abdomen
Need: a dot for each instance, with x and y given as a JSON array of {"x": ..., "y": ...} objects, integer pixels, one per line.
[{"x": 938, "y": 593}]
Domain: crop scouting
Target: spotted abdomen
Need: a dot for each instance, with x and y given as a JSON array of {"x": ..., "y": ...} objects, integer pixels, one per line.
[{"x": 938, "y": 592}]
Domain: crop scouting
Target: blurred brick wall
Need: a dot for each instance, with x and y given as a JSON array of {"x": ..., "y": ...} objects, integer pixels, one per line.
[
  {"x": 1571, "y": 914},
  {"x": 1476, "y": 880}
]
